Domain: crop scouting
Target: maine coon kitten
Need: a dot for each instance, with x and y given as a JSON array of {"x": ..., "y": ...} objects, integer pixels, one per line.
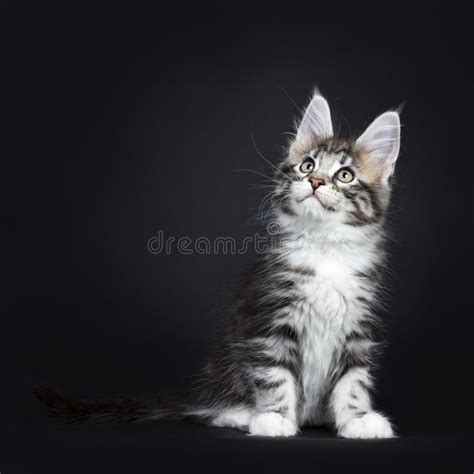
[{"x": 300, "y": 341}]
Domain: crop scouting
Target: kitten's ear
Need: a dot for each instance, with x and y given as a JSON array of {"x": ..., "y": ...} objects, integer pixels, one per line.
[
  {"x": 381, "y": 143},
  {"x": 316, "y": 123}
]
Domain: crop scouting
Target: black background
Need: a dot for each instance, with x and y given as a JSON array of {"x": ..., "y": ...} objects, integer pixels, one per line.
[{"x": 120, "y": 122}]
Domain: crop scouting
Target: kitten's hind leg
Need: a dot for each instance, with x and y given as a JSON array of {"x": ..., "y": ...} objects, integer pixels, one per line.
[
  {"x": 275, "y": 410},
  {"x": 238, "y": 417}
]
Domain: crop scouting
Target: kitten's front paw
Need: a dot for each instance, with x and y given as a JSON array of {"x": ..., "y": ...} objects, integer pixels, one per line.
[
  {"x": 371, "y": 425},
  {"x": 272, "y": 424}
]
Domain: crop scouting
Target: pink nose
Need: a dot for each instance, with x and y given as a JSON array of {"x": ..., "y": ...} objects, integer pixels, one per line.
[{"x": 316, "y": 182}]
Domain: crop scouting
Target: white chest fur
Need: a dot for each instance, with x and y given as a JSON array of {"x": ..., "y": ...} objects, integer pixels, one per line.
[{"x": 327, "y": 311}]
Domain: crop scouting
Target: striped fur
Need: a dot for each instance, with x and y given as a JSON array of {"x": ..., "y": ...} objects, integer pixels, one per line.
[{"x": 300, "y": 341}]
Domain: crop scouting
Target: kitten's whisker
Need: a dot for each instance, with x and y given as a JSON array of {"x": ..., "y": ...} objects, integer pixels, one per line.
[
  {"x": 262, "y": 186},
  {"x": 266, "y": 160},
  {"x": 256, "y": 172},
  {"x": 289, "y": 97},
  {"x": 266, "y": 199},
  {"x": 274, "y": 204},
  {"x": 260, "y": 210}
]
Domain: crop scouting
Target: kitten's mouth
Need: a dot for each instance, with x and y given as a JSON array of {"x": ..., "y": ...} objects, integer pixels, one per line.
[
  {"x": 315, "y": 198},
  {"x": 313, "y": 195}
]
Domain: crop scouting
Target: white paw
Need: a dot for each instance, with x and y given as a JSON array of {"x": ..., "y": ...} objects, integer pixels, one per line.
[
  {"x": 271, "y": 424},
  {"x": 371, "y": 425}
]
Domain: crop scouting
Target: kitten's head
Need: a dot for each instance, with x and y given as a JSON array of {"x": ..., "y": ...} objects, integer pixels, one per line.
[{"x": 325, "y": 178}]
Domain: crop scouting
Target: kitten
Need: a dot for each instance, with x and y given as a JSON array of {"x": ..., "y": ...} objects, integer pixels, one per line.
[{"x": 300, "y": 342}]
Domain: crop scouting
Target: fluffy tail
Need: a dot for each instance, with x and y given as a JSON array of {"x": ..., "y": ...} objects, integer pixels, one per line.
[{"x": 98, "y": 411}]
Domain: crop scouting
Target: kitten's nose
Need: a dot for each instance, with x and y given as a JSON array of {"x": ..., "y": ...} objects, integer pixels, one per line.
[{"x": 316, "y": 182}]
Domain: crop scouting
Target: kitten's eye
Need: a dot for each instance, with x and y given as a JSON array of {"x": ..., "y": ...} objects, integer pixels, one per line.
[
  {"x": 307, "y": 166},
  {"x": 345, "y": 176}
]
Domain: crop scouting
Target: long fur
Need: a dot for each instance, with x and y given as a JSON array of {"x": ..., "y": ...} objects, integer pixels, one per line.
[
  {"x": 300, "y": 343},
  {"x": 76, "y": 411}
]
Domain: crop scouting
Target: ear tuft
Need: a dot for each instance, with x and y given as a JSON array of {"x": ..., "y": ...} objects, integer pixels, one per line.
[
  {"x": 316, "y": 122},
  {"x": 381, "y": 142}
]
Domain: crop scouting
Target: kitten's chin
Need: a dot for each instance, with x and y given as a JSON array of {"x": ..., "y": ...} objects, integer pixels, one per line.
[{"x": 311, "y": 207}]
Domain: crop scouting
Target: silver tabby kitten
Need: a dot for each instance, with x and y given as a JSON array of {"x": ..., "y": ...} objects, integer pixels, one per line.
[{"x": 300, "y": 340}]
